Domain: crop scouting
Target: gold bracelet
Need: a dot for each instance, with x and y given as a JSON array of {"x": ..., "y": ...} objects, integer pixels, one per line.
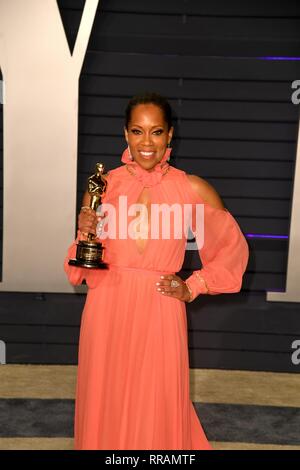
[
  {"x": 200, "y": 279},
  {"x": 190, "y": 292}
]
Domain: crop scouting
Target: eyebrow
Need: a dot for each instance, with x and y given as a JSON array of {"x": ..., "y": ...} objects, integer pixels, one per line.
[{"x": 136, "y": 125}]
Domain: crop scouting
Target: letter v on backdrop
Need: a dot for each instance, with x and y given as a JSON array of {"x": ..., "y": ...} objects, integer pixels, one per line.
[{"x": 40, "y": 127}]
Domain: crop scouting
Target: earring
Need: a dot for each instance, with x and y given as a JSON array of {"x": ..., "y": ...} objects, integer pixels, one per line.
[
  {"x": 129, "y": 154},
  {"x": 169, "y": 146}
]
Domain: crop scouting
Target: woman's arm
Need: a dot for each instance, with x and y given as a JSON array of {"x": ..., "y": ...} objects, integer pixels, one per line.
[{"x": 223, "y": 249}]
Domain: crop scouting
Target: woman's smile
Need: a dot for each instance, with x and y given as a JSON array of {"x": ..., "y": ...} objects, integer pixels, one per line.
[{"x": 147, "y": 155}]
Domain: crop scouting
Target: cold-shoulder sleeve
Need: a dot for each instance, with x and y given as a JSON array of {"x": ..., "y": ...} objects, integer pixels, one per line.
[{"x": 223, "y": 251}]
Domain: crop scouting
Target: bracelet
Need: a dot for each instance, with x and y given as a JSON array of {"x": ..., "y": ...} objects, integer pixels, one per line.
[
  {"x": 200, "y": 279},
  {"x": 190, "y": 292},
  {"x": 85, "y": 207}
]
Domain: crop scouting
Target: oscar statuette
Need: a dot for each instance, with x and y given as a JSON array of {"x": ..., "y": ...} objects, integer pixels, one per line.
[{"x": 89, "y": 253}]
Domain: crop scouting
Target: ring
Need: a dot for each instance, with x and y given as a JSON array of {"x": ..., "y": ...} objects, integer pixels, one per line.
[{"x": 174, "y": 283}]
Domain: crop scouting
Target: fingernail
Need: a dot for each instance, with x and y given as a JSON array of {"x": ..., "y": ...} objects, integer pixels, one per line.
[
  {"x": 162, "y": 277},
  {"x": 158, "y": 288},
  {"x": 158, "y": 283}
]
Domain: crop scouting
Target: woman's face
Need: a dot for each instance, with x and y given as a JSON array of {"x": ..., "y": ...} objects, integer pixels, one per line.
[{"x": 147, "y": 135}]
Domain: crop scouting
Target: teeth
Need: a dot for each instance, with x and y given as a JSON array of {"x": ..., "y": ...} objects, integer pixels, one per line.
[{"x": 147, "y": 153}]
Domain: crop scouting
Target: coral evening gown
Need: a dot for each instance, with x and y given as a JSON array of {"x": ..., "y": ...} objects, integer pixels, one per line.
[{"x": 133, "y": 369}]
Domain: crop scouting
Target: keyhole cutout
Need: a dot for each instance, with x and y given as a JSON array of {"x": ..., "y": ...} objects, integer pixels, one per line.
[{"x": 144, "y": 198}]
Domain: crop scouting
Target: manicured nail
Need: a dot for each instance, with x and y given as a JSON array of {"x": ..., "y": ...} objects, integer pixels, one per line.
[{"x": 162, "y": 277}]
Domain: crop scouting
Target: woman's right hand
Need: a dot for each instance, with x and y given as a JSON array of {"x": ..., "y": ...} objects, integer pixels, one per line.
[{"x": 87, "y": 221}]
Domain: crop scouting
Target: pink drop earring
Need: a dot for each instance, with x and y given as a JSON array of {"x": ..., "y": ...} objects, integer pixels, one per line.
[
  {"x": 129, "y": 154},
  {"x": 169, "y": 146}
]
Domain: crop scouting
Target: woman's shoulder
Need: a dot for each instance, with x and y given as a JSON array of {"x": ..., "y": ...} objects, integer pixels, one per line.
[{"x": 205, "y": 191}]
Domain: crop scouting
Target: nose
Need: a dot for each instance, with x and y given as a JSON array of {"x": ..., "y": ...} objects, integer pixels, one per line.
[{"x": 147, "y": 139}]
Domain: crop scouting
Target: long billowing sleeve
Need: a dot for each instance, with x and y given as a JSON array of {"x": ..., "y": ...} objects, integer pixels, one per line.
[
  {"x": 223, "y": 251},
  {"x": 77, "y": 275}
]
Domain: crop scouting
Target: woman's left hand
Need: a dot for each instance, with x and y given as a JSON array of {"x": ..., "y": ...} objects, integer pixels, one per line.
[{"x": 180, "y": 292}]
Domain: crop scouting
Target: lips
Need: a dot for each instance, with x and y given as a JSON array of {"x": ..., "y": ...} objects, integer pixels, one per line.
[{"x": 147, "y": 154}]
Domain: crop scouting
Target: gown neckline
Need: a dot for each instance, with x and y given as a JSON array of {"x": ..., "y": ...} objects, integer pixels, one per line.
[{"x": 147, "y": 178}]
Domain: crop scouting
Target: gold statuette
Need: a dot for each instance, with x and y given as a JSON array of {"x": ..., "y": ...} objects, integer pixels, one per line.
[{"x": 89, "y": 254}]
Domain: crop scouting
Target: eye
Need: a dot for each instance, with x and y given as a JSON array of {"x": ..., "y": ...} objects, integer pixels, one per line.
[
  {"x": 158, "y": 132},
  {"x": 135, "y": 131}
]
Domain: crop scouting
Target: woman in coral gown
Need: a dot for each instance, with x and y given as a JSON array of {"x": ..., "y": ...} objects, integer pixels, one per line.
[{"x": 133, "y": 369}]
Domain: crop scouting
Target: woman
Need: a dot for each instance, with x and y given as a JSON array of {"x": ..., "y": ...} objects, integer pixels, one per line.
[{"x": 133, "y": 373}]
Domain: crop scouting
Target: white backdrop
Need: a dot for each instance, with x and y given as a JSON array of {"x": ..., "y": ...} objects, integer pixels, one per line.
[{"x": 40, "y": 119}]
